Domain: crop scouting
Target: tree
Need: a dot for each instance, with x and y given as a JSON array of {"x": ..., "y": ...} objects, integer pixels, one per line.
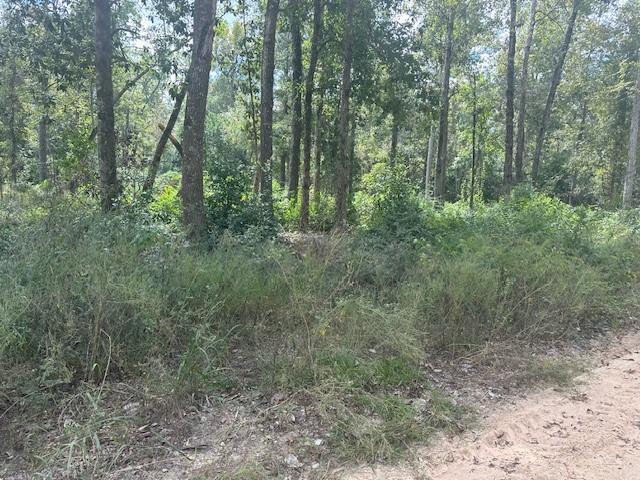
[
  {"x": 553, "y": 88},
  {"x": 266, "y": 101},
  {"x": 630, "y": 176},
  {"x": 162, "y": 142},
  {"x": 342, "y": 167},
  {"x": 318, "y": 7},
  {"x": 511, "y": 79},
  {"x": 524, "y": 77},
  {"x": 193, "y": 216},
  {"x": 443, "y": 129},
  {"x": 104, "y": 96},
  {"x": 296, "y": 101}
]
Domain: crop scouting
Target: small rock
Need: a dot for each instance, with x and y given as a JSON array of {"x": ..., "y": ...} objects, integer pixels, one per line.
[
  {"x": 292, "y": 461},
  {"x": 315, "y": 466},
  {"x": 318, "y": 442}
]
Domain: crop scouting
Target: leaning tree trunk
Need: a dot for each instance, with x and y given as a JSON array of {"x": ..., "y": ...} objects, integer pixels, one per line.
[
  {"x": 162, "y": 142},
  {"x": 443, "y": 130},
  {"x": 318, "y": 6},
  {"x": 266, "y": 101},
  {"x": 342, "y": 167},
  {"x": 511, "y": 80},
  {"x": 104, "y": 97},
  {"x": 524, "y": 78},
  {"x": 630, "y": 177},
  {"x": 296, "y": 102},
  {"x": 193, "y": 216},
  {"x": 555, "y": 81}
]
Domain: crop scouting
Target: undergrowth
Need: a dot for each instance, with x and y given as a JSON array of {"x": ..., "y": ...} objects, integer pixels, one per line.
[{"x": 87, "y": 297}]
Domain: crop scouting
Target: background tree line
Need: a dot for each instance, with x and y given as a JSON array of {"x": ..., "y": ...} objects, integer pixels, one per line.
[{"x": 282, "y": 108}]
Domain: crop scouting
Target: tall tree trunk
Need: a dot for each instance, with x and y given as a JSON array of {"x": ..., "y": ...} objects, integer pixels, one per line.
[
  {"x": 394, "y": 138},
  {"x": 318, "y": 150},
  {"x": 630, "y": 177},
  {"x": 318, "y": 7},
  {"x": 511, "y": 80},
  {"x": 266, "y": 101},
  {"x": 104, "y": 96},
  {"x": 43, "y": 147},
  {"x": 162, "y": 142},
  {"x": 342, "y": 167},
  {"x": 252, "y": 101},
  {"x": 428, "y": 164},
  {"x": 555, "y": 81},
  {"x": 193, "y": 217},
  {"x": 443, "y": 130},
  {"x": 296, "y": 102},
  {"x": 474, "y": 124},
  {"x": 13, "y": 135},
  {"x": 524, "y": 78}
]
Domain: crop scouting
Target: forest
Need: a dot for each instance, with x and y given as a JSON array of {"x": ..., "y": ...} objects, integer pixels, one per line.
[{"x": 301, "y": 232}]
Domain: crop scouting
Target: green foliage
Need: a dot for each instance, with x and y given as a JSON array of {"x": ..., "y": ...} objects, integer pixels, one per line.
[{"x": 388, "y": 204}]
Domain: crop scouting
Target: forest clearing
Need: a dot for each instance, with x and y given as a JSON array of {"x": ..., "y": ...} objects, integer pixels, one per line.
[{"x": 319, "y": 239}]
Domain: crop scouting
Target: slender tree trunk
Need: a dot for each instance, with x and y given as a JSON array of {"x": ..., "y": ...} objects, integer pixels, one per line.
[
  {"x": 104, "y": 95},
  {"x": 443, "y": 130},
  {"x": 630, "y": 177},
  {"x": 428, "y": 165},
  {"x": 43, "y": 147},
  {"x": 318, "y": 151},
  {"x": 318, "y": 7},
  {"x": 252, "y": 101},
  {"x": 13, "y": 135},
  {"x": 555, "y": 81},
  {"x": 352, "y": 155},
  {"x": 474, "y": 122},
  {"x": 266, "y": 101},
  {"x": 511, "y": 80},
  {"x": 193, "y": 217},
  {"x": 342, "y": 167},
  {"x": 296, "y": 102},
  {"x": 394, "y": 139},
  {"x": 524, "y": 78},
  {"x": 162, "y": 142}
]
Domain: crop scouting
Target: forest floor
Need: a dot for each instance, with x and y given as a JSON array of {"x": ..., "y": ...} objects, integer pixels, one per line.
[
  {"x": 589, "y": 432},
  {"x": 565, "y": 412}
]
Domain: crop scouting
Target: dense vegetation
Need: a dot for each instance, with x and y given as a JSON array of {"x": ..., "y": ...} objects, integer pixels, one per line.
[{"x": 336, "y": 189}]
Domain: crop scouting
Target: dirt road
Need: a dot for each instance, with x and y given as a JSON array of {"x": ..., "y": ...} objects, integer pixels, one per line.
[{"x": 589, "y": 433}]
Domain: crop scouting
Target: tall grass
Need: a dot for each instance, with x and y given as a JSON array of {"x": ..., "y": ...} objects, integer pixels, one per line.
[{"x": 86, "y": 296}]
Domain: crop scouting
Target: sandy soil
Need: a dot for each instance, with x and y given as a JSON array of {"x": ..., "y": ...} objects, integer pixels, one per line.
[{"x": 589, "y": 433}]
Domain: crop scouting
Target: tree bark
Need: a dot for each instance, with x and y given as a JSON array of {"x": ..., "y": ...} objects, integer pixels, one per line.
[
  {"x": 428, "y": 165},
  {"x": 104, "y": 96},
  {"x": 630, "y": 177},
  {"x": 266, "y": 101},
  {"x": 162, "y": 142},
  {"x": 443, "y": 130},
  {"x": 342, "y": 167},
  {"x": 13, "y": 135},
  {"x": 511, "y": 80},
  {"x": 524, "y": 78},
  {"x": 252, "y": 101},
  {"x": 318, "y": 7},
  {"x": 43, "y": 147},
  {"x": 394, "y": 138},
  {"x": 474, "y": 124},
  {"x": 555, "y": 81},
  {"x": 318, "y": 150},
  {"x": 296, "y": 102},
  {"x": 193, "y": 216}
]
